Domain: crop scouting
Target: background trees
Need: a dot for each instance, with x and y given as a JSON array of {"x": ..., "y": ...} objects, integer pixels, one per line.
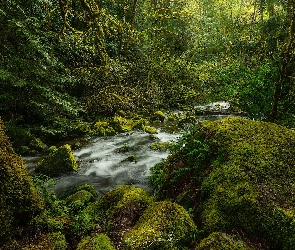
[{"x": 66, "y": 60}]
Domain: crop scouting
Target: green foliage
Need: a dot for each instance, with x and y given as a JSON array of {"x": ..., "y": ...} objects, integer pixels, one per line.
[
  {"x": 250, "y": 88},
  {"x": 98, "y": 242},
  {"x": 163, "y": 225},
  {"x": 19, "y": 200},
  {"x": 58, "y": 162}
]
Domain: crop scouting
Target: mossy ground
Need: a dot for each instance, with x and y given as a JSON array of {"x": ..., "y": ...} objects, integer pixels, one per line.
[
  {"x": 18, "y": 198},
  {"x": 235, "y": 173}
]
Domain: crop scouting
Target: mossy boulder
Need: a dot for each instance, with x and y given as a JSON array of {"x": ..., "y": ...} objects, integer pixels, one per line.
[
  {"x": 121, "y": 124},
  {"x": 18, "y": 198},
  {"x": 88, "y": 188},
  {"x": 218, "y": 241},
  {"x": 149, "y": 129},
  {"x": 163, "y": 225},
  {"x": 115, "y": 212},
  {"x": 59, "y": 161},
  {"x": 97, "y": 242},
  {"x": 50, "y": 241},
  {"x": 47, "y": 222},
  {"x": 130, "y": 158},
  {"x": 103, "y": 128},
  {"x": 235, "y": 173},
  {"x": 159, "y": 116}
]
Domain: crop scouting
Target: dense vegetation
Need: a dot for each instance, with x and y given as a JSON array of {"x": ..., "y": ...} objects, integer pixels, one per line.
[
  {"x": 63, "y": 63},
  {"x": 70, "y": 68}
]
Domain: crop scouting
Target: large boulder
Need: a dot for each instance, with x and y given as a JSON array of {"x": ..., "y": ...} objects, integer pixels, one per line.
[
  {"x": 114, "y": 213},
  {"x": 18, "y": 198},
  {"x": 60, "y": 161},
  {"x": 163, "y": 225},
  {"x": 235, "y": 173}
]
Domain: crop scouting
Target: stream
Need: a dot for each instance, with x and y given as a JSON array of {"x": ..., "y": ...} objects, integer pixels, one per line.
[{"x": 102, "y": 162}]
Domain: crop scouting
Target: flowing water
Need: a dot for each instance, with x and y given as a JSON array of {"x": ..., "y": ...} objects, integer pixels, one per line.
[{"x": 103, "y": 162}]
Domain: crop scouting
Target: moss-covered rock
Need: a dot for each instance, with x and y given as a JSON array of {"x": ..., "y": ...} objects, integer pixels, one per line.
[
  {"x": 115, "y": 212},
  {"x": 130, "y": 158},
  {"x": 18, "y": 198},
  {"x": 218, "y": 241},
  {"x": 38, "y": 145},
  {"x": 121, "y": 124},
  {"x": 50, "y": 241},
  {"x": 97, "y": 242},
  {"x": 163, "y": 225},
  {"x": 59, "y": 161},
  {"x": 88, "y": 188},
  {"x": 102, "y": 128},
  {"x": 46, "y": 222},
  {"x": 162, "y": 146},
  {"x": 159, "y": 115},
  {"x": 235, "y": 173},
  {"x": 150, "y": 129}
]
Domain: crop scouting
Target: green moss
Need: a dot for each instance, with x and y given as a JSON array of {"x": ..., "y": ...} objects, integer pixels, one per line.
[
  {"x": 38, "y": 145},
  {"x": 161, "y": 146},
  {"x": 46, "y": 222},
  {"x": 58, "y": 162},
  {"x": 82, "y": 196},
  {"x": 125, "y": 202},
  {"x": 50, "y": 241},
  {"x": 163, "y": 225},
  {"x": 236, "y": 173},
  {"x": 121, "y": 124},
  {"x": 130, "y": 158},
  {"x": 217, "y": 241},
  {"x": 124, "y": 149},
  {"x": 159, "y": 115},
  {"x": 150, "y": 130},
  {"x": 88, "y": 188},
  {"x": 18, "y": 198},
  {"x": 98, "y": 242},
  {"x": 103, "y": 128}
]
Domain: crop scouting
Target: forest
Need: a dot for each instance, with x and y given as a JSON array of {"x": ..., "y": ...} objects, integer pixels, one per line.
[{"x": 72, "y": 69}]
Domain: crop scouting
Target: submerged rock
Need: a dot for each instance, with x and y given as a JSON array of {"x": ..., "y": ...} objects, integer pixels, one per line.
[
  {"x": 60, "y": 161},
  {"x": 235, "y": 173}
]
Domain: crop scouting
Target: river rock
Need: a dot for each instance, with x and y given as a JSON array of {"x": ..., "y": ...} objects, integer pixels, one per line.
[
  {"x": 235, "y": 173},
  {"x": 60, "y": 161}
]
